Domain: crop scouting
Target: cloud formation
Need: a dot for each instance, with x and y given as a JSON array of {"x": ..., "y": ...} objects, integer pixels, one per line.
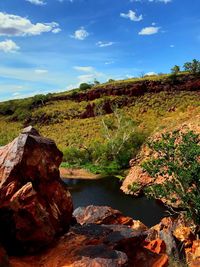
[
  {"x": 41, "y": 71},
  {"x": 37, "y": 2},
  {"x": 13, "y": 25},
  {"x": 149, "y": 30},
  {"x": 80, "y": 34},
  {"x": 8, "y": 46},
  {"x": 84, "y": 69},
  {"x": 131, "y": 15},
  {"x": 104, "y": 44}
]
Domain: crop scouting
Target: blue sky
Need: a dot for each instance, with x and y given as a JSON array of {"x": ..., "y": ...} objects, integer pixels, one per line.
[{"x": 54, "y": 45}]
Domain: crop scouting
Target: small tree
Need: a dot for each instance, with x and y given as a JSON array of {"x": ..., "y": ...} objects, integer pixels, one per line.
[
  {"x": 175, "y": 70},
  {"x": 192, "y": 67},
  {"x": 178, "y": 159},
  {"x": 84, "y": 86},
  {"x": 96, "y": 82}
]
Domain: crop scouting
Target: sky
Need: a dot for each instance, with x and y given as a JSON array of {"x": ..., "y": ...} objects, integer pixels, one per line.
[{"x": 54, "y": 45}]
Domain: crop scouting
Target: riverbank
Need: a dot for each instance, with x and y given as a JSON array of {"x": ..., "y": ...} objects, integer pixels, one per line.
[{"x": 72, "y": 173}]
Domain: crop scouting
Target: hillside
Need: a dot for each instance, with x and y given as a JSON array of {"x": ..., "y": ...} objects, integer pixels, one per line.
[{"x": 76, "y": 118}]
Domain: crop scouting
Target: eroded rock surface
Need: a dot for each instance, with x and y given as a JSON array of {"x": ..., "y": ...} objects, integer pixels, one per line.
[
  {"x": 105, "y": 215},
  {"x": 35, "y": 205},
  {"x": 97, "y": 246}
]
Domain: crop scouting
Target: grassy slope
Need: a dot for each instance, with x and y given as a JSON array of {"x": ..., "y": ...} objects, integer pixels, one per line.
[{"x": 151, "y": 111}]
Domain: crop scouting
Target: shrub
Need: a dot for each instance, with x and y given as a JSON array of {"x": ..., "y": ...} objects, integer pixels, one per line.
[
  {"x": 175, "y": 70},
  {"x": 192, "y": 67},
  {"x": 84, "y": 86},
  {"x": 178, "y": 156}
]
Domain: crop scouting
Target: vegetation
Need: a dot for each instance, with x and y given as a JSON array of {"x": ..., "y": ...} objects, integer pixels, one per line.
[
  {"x": 122, "y": 142},
  {"x": 175, "y": 70},
  {"x": 177, "y": 157},
  {"x": 84, "y": 86},
  {"x": 192, "y": 67},
  {"x": 101, "y": 141}
]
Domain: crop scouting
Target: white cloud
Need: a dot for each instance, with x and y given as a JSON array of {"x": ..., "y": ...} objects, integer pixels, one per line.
[
  {"x": 109, "y": 62},
  {"x": 90, "y": 76},
  {"x": 172, "y": 46},
  {"x": 84, "y": 69},
  {"x": 80, "y": 34},
  {"x": 41, "y": 71},
  {"x": 56, "y": 30},
  {"x": 150, "y": 73},
  {"x": 13, "y": 25},
  {"x": 8, "y": 46},
  {"x": 132, "y": 16},
  {"x": 37, "y": 2},
  {"x": 104, "y": 44},
  {"x": 149, "y": 30}
]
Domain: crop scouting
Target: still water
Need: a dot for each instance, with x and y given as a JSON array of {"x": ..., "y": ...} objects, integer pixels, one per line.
[{"x": 106, "y": 192}]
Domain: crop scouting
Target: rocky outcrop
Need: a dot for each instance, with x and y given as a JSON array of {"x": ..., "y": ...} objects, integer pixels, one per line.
[
  {"x": 136, "y": 88},
  {"x": 105, "y": 215},
  {"x": 180, "y": 239},
  {"x": 36, "y": 211},
  {"x": 103, "y": 245},
  {"x": 138, "y": 179},
  {"x": 35, "y": 205}
]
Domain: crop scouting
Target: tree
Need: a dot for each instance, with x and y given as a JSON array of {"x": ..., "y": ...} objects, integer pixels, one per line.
[
  {"x": 175, "y": 70},
  {"x": 84, "y": 86},
  {"x": 111, "y": 80},
  {"x": 96, "y": 82},
  {"x": 177, "y": 159},
  {"x": 192, "y": 67}
]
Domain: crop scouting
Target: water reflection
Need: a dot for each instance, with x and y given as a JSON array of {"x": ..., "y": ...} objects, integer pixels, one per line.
[{"x": 107, "y": 192}]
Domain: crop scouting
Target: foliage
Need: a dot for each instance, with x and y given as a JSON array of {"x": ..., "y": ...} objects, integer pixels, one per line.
[
  {"x": 192, "y": 67},
  {"x": 121, "y": 143},
  {"x": 175, "y": 70},
  {"x": 178, "y": 158},
  {"x": 134, "y": 187},
  {"x": 19, "y": 110},
  {"x": 84, "y": 86},
  {"x": 96, "y": 82}
]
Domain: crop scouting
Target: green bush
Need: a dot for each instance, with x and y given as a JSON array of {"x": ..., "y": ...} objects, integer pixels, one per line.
[
  {"x": 192, "y": 67},
  {"x": 178, "y": 156},
  {"x": 84, "y": 86},
  {"x": 122, "y": 141}
]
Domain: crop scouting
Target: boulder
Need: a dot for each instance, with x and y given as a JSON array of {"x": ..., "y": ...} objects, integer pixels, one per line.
[
  {"x": 96, "y": 246},
  {"x": 35, "y": 205},
  {"x": 105, "y": 215},
  {"x": 193, "y": 254}
]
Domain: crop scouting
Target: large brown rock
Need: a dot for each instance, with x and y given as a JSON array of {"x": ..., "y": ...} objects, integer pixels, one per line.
[
  {"x": 105, "y": 215},
  {"x": 96, "y": 246},
  {"x": 35, "y": 205}
]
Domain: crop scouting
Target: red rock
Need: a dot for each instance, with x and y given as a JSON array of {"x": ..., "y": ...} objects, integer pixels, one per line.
[
  {"x": 35, "y": 205},
  {"x": 96, "y": 246},
  {"x": 184, "y": 234},
  {"x": 157, "y": 246},
  {"x": 193, "y": 254}
]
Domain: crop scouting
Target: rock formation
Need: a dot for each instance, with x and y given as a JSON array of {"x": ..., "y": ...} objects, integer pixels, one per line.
[
  {"x": 138, "y": 179},
  {"x": 36, "y": 211},
  {"x": 35, "y": 205}
]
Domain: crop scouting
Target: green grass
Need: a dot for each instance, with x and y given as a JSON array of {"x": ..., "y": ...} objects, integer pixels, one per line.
[{"x": 59, "y": 120}]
